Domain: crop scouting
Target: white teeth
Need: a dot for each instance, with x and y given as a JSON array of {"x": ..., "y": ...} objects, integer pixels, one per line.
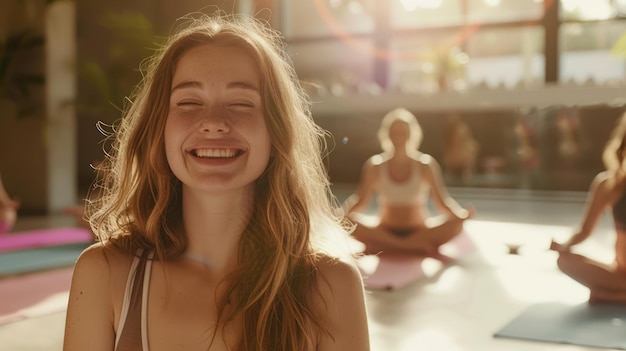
[{"x": 217, "y": 153}]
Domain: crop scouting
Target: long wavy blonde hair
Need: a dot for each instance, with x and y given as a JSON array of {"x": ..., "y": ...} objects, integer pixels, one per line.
[
  {"x": 293, "y": 221},
  {"x": 415, "y": 130}
]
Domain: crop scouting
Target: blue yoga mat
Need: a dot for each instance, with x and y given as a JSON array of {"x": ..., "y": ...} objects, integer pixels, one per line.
[
  {"x": 597, "y": 325},
  {"x": 25, "y": 261}
]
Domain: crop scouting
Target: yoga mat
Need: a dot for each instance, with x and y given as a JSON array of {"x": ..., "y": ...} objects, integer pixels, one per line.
[
  {"x": 23, "y": 261},
  {"x": 44, "y": 237},
  {"x": 391, "y": 272},
  {"x": 34, "y": 295},
  {"x": 596, "y": 325},
  {"x": 394, "y": 272}
]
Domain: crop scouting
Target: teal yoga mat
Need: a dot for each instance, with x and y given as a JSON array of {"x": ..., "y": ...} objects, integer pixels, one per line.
[
  {"x": 25, "y": 261},
  {"x": 597, "y": 325}
]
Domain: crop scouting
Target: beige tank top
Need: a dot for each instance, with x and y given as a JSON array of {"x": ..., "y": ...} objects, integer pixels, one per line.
[{"x": 132, "y": 327}]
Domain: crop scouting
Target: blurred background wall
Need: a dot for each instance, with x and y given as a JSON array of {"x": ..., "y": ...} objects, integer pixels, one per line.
[{"x": 512, "y": 94}]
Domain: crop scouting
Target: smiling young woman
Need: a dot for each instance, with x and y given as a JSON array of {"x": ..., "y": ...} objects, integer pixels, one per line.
[
  {"x": 215, "y": 135},
  {"x": 214, "y": 234}
]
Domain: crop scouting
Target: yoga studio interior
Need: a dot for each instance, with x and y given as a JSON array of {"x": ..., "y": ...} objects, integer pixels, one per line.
[{"x": 516, "y": 100}]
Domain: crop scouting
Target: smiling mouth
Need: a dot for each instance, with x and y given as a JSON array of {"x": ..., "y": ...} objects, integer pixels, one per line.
[{"x": 216, "y": 153}]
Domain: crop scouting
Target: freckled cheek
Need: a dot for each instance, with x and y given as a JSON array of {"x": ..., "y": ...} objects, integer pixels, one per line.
[
  {"x": 173, "y": 142},
  {"x": 269, "y": 150},
  {"x": 266, "y": 134},
  {"x": 264, "y": 143}
]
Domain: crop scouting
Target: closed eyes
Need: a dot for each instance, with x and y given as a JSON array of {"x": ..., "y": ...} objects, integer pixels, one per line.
[
  {"x": 242, "y": 104},
  {"x": 188, "y": 103},
  {"x": 233, "y": 105}
]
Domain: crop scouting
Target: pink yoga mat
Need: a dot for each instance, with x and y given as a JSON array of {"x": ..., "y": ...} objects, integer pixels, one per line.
[
  {"x": 34, "y": 295},
  {"x": 390, "y": 272},
  {"x": 44, "y": 237}
]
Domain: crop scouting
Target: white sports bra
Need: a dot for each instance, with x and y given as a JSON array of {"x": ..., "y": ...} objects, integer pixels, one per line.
[{"x": 404, "y": 193}]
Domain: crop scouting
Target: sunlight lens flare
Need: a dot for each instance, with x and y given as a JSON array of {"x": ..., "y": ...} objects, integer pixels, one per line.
[
  {"x": 325, "y": 10},
  {"x": 588, "y": 10},
  {"x": 412, "y": 5},
  {"x": 493, "y": 3},
  {"x": 409, "y": 5}
]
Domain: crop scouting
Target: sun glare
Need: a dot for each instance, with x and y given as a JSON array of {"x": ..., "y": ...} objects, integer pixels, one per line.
[
  {"x": 493, "y": 3},
  {"x": 588, "y": 10},
  {"x": 412, "y": 5}
]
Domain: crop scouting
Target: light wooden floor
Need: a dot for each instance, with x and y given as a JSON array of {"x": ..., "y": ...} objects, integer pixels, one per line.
[
  {"x": 461, "y": 306},
  {"x": 458, "y": 307}
]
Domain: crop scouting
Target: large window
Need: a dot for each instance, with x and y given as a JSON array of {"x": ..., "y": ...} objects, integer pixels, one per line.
[
  {"x": 506, "y": 57},
  {"x": 426, "y": 13},
  {"x": 498, "y": 11},
  {"x": 435, "y": 45},
  {"x": 516, "y": 51},
  {"x": 585, "y": 52},
  {"x": 336, "y": 67},
  {"x": 585, "y": 10},
  {"x": 425, "y": 62},
  {"x": 327, "y": 18},
  {"x": 423, "y": 46}
]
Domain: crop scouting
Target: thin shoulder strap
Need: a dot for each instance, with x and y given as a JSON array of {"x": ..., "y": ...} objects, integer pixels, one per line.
[{"x": 131, "y": 335}]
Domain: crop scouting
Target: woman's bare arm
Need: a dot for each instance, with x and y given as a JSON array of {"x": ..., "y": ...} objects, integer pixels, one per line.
[
  {"x": 597, "y": 202},
  {"x": 361, "y": 199},
  {"x": 342, "y": 302},
  {"x": 89, "y": 320},
  {"x": 439, "y": 193}
]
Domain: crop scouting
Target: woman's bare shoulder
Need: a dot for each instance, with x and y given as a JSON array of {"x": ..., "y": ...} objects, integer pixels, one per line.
[
  {"x": 96, "y": 296},
  {"x": 338, "y": 276},
  {"x": 376, "y": 160},
  {"x": 99, "y": 253},
  {"x": 603, "y": 182},
  {"x": 424, "y": 159},
  {"x": 342, "y": 303},
  {"x": 427, "y": 163},
  {"x": 603, "y": 176},
  {"x": 371, "y": 167},
  {"x": 607, "y": 184},
  {"x": 100, "y": 261}
]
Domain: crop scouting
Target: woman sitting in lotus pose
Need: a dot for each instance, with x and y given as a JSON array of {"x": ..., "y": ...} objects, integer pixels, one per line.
[
  {"x": 606, "y": 283},
  {"x": 404, "y": 179}
]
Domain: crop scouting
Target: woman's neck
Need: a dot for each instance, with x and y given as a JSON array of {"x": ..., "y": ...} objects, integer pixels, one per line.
[
  {"x": 214, "y": 223},
  {"x": 400, "y": 156}
]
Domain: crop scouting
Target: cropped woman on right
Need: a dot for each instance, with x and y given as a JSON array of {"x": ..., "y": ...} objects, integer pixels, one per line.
[{"x": 606, "y": 283}]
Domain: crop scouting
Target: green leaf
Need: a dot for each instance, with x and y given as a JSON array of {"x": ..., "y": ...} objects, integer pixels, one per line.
[
  {"x": 94, "y": 74},
  {"x": 619, "y": 48}
]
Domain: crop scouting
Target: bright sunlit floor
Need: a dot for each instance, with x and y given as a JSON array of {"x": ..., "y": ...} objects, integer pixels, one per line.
[
  {"x": 457, "y": 307},
  {"x": 461, "y": 306}
]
